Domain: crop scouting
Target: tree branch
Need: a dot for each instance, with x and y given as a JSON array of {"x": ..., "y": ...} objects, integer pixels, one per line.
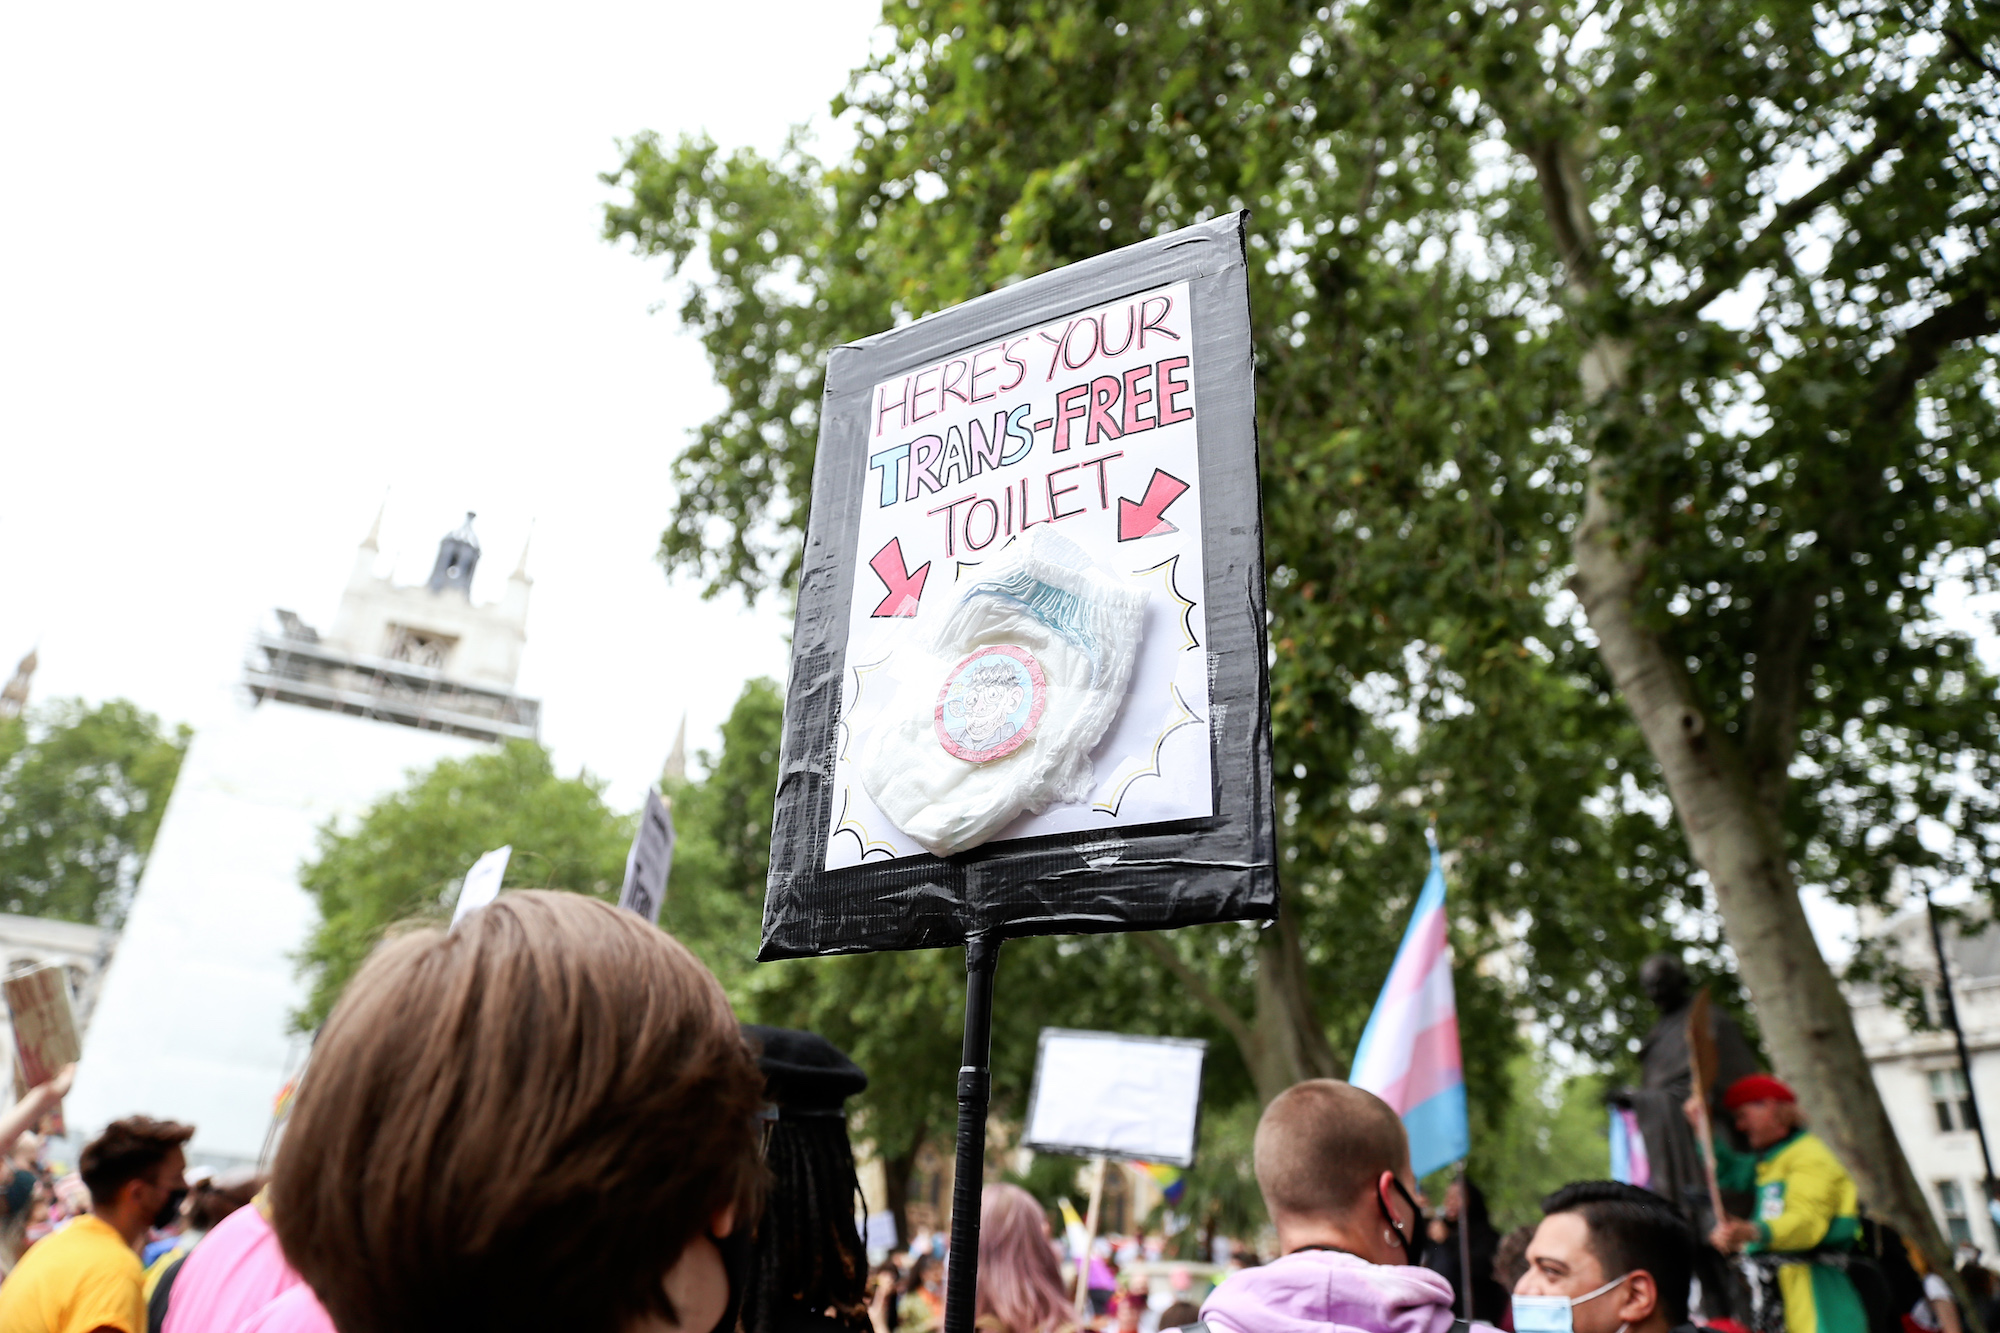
[
  {"x": 1975, "y": 314},
  {"x": 1722, "y": 273},
  {"x": 1156, "y": 945},
  {"x": 1771, "y": 731},
  {"x": 1970, "y": 52},
  {"x": 1564, "y": 203}
]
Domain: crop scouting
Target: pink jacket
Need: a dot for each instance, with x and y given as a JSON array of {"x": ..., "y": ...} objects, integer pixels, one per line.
[
  {"x": 237, "y": 1281},
  {"x": 1325, "y": 1291}
]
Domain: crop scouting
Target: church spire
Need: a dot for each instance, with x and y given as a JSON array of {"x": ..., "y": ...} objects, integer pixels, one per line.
[
  {"x": 676, "y": 769},
  {"x": 521, "y": 569},
  {"x": 14, "y": 698},
  {"x": 366, "y": 554},
  {"x": 458, "y": 556}
]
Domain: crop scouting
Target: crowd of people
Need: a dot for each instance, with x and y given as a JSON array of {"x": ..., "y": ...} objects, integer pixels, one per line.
[{"x": 547, "y": 1117}]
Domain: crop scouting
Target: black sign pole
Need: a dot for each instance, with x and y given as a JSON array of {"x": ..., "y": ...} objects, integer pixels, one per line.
[{"x": 975, "y": 1085}]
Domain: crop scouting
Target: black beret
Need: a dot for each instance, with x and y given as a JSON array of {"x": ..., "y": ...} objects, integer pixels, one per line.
[{"x": 803, "y": 1071}]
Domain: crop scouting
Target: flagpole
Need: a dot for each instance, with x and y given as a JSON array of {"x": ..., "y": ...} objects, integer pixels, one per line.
[
  {"x": 1089, "y": 1236},
  {"x": 1464, "y": 1190},
  {"x": 1464, "y": 1245}
]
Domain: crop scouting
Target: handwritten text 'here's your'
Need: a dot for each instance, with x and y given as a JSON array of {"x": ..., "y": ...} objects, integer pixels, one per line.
[{"x": 1014, "y": 433}]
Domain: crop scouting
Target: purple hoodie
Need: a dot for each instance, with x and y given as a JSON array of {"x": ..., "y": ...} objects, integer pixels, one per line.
[{"x": 1315, "y": 1291}]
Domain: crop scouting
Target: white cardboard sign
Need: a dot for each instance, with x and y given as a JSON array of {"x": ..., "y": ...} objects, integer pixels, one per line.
[
  {"x": 1087, "y": 423},
  {"x": 482, "y": 883},
  {"x": 1103, "y": 1094},
  {"x": 45, "y": 1034}
]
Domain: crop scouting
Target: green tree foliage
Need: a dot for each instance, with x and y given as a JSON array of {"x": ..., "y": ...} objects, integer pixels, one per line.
[
  {"x": 82, "y": 793},
  {"x": 722, "y": 838},
  {"x": 1626, "y": 391},
  {"x": 1057, "y": 133},
  {"x": 405, "y": 857},
  {"x": 1557, "y": 1134}
]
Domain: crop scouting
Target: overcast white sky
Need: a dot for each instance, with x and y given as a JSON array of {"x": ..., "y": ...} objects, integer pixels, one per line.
[{"x": 260, "y": 264}]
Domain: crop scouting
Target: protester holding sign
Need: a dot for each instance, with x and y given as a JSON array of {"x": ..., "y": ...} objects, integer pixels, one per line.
[
  {"x": 1807, "y": 1213},
  {"x": 1333, "y": 1164},
  {"x": 28, "y": 1112},
  {"x": 545, "y": 1118}
]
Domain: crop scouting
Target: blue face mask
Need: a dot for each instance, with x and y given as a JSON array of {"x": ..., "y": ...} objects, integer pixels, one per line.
[{"x": 1551, "y": 1314}]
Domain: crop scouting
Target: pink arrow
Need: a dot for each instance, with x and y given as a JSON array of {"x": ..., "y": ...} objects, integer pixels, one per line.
[
  {"x": 1143, "y": 518},
  {"x": 905, "y": 588}
]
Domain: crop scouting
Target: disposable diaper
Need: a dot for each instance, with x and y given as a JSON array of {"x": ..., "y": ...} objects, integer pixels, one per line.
[{"x": 1003, "y": 695}]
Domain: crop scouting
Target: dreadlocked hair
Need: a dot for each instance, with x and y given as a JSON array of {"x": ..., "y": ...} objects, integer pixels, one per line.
[{"x": 808, "y": 1256}]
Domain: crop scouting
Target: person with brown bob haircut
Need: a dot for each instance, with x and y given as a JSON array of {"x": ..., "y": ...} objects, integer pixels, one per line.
[{"x": 543, "y": 1118}]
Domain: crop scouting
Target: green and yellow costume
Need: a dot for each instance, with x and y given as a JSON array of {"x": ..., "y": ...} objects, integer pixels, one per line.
[{"x": 1805, "y": 1204}]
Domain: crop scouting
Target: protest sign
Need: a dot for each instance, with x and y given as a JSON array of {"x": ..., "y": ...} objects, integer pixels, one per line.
[
  {"x": 1102, "y": 1094},
  {"x": 482, "y": 883},
  {"x": 45, "y": 1035},
  {"x": 1028, "y": 691},
  {"x": 651, "y": 857}
]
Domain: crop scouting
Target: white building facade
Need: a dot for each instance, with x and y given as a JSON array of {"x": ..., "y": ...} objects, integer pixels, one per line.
[
  {"x": 1918, "y": 1073},
  {"x": 193, "y": 1022}
]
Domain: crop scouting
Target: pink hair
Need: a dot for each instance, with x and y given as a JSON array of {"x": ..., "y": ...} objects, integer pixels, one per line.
[{"x": 1020, "y": 1284}]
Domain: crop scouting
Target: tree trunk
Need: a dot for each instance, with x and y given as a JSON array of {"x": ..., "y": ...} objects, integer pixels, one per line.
[
  {"x": 1734, "y": 835},
  {"x": 1291, "y": 1042},
  {"x": 896, "y": 1187},
  {"x": 1284, "y": 1043},
  {"x": 1728, "y": 802}
]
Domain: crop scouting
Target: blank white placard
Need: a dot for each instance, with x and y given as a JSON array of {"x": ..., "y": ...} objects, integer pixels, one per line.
[
  {"x": 1105, "y": 1094},
  {"x": 482, "y": 882}
]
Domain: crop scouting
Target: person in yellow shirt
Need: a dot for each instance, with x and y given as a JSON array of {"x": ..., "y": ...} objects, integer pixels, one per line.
[
  {"x": 86, "y": 1278},
  {"x": 1807, "y": 1216}
]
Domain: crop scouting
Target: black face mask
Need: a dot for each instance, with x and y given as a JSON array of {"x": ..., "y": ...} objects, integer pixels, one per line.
[
  {"x": 171, "y": 1209},
  {"x": 736, "y": 1258},
  {"x": 1412, "y": 1247}
]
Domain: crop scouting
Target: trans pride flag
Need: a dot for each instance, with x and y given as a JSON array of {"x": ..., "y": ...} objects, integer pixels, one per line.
[{"x": 1409, "y": 1051}]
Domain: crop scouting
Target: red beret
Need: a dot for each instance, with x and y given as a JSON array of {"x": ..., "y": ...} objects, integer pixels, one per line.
[{"x": 1755, "y": 1088}]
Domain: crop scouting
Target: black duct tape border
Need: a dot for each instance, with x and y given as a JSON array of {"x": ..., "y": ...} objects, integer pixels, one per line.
[{"x": 1222, "y": 868}]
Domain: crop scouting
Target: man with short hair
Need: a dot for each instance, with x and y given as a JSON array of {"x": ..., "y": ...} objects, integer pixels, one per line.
[
  {"x": 1333, "y": 1163},
  {"x": 1607, "y": 1257},
  {"x": 86, "y": 1277}
]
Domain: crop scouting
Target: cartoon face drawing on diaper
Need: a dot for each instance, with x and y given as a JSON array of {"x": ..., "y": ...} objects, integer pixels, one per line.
[{"x": 991, "y": 703}]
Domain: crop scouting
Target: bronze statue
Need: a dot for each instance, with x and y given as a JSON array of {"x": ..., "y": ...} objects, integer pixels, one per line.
[{"x": 1666, "y": 1081}]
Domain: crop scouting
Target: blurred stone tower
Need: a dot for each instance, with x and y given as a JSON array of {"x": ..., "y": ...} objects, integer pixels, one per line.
[
  {"x": 14, "y": 695},
  {"x": 194, "y": 1020}
]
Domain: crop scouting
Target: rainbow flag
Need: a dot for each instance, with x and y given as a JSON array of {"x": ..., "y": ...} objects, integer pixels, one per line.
[
  {"x": 1409, "y": 1053},
  {"x": 1171, "y": 1180}
]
